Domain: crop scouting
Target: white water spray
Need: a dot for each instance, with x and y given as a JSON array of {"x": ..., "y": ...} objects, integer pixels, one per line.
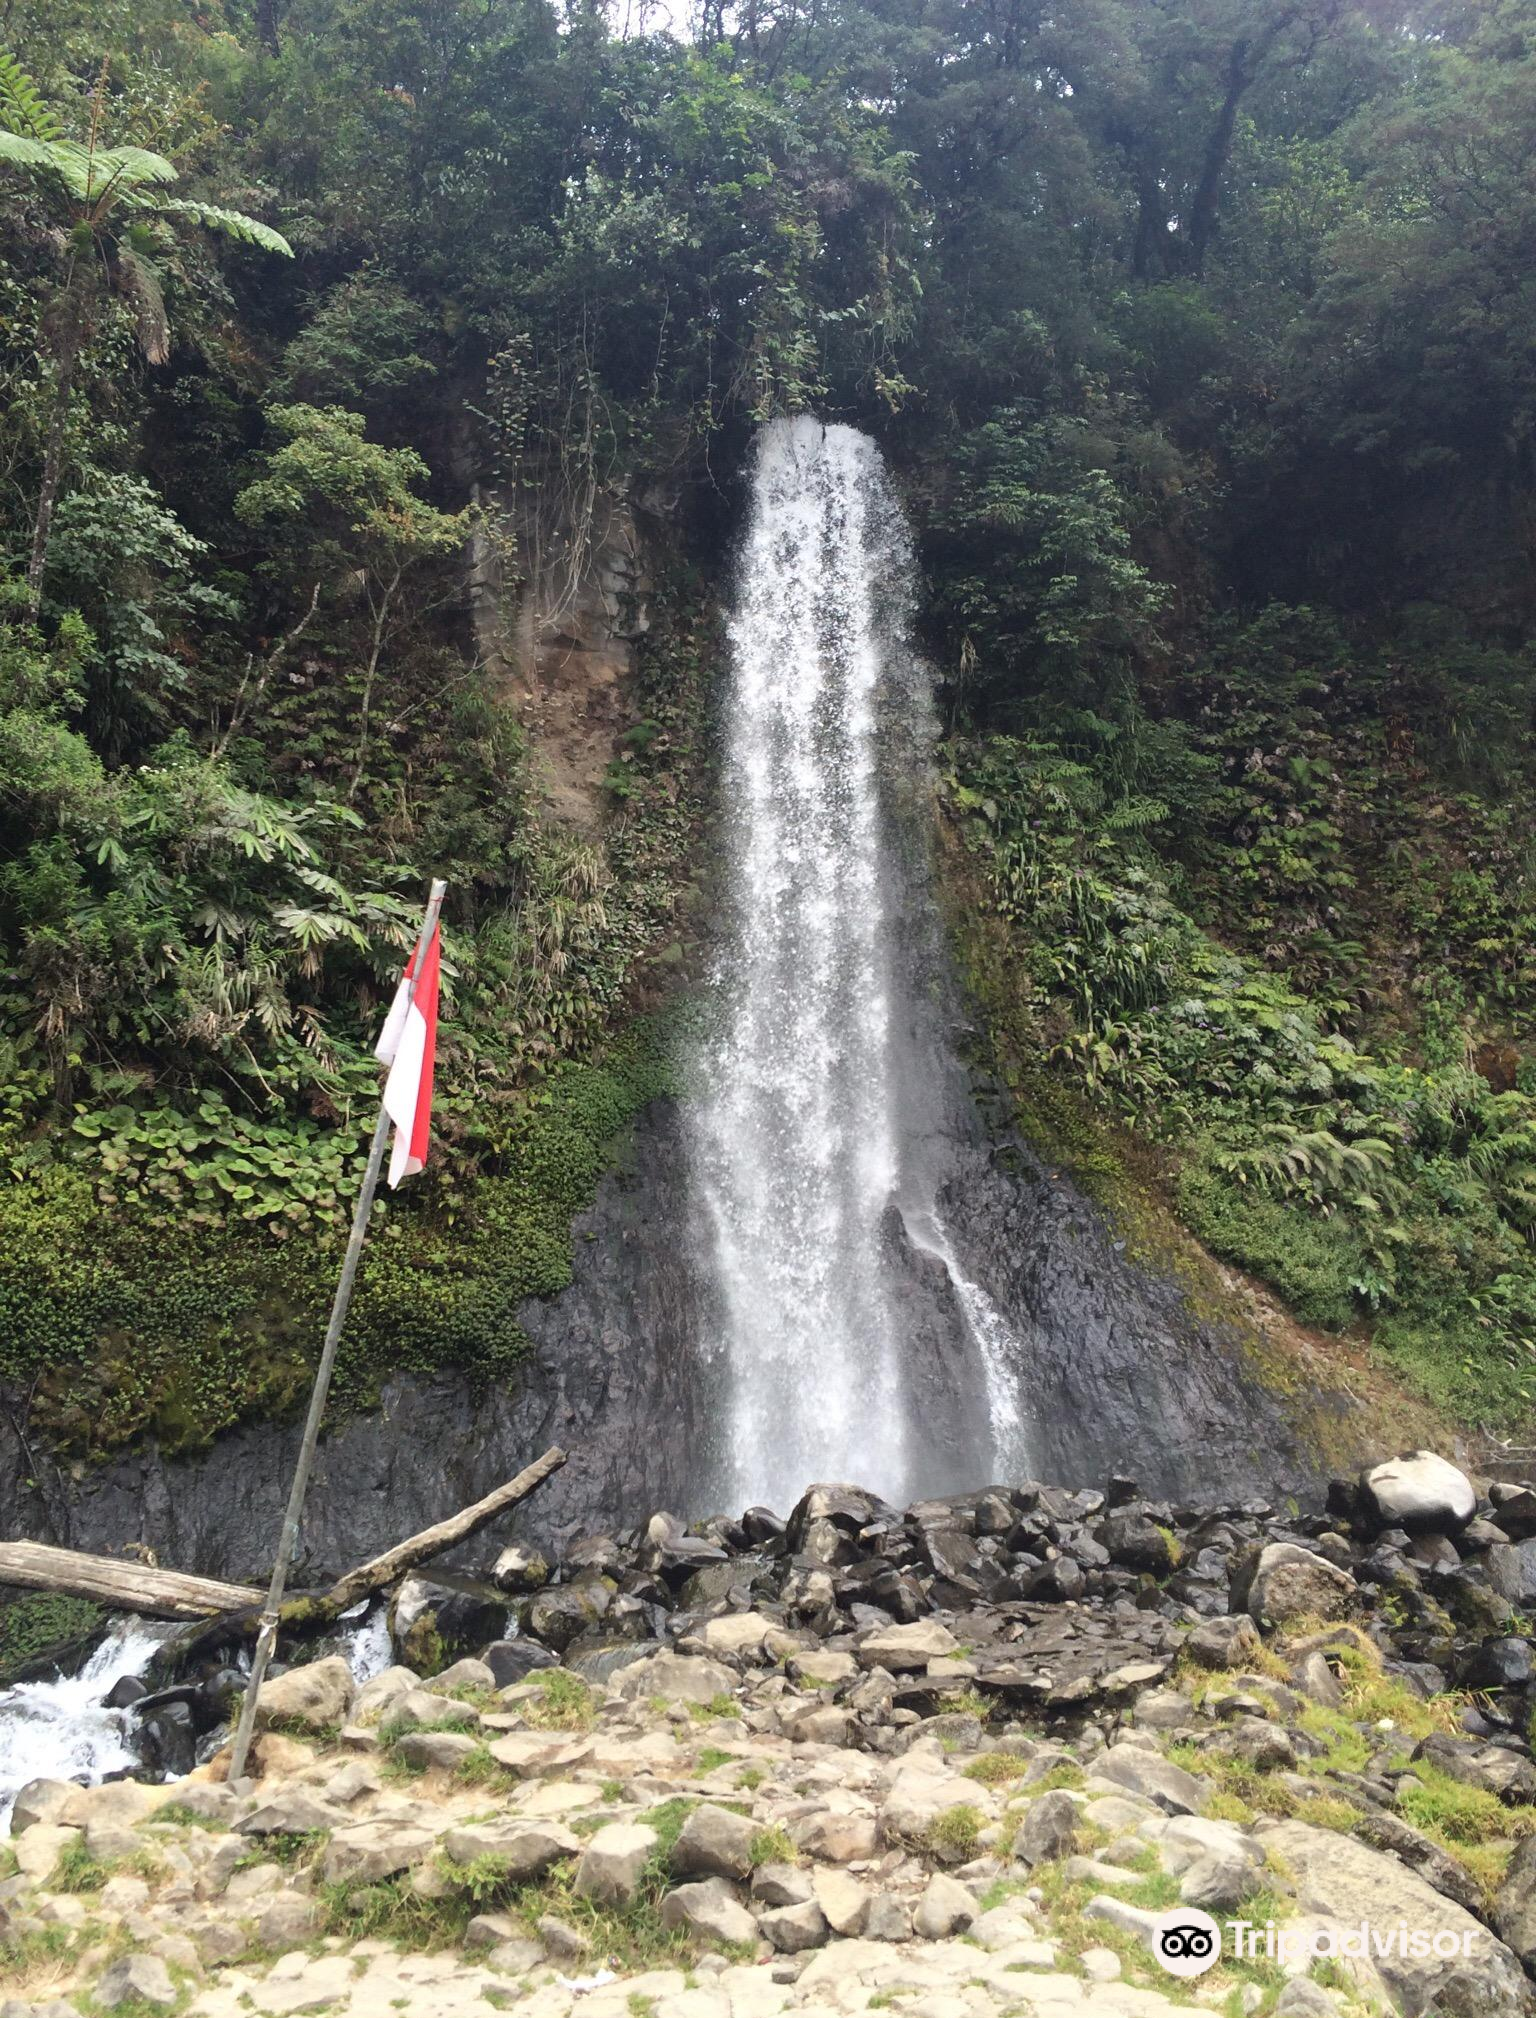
[
  {"x": 797, "y": 1138},
  {"x": 60, "y": 1730}
]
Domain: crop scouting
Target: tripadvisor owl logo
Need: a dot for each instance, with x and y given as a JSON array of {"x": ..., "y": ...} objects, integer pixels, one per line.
[{"x": 1186, "y": 1941}]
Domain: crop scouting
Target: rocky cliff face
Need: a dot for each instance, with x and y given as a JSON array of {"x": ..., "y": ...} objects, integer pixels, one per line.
[{"x": 1121, "y": 1374}]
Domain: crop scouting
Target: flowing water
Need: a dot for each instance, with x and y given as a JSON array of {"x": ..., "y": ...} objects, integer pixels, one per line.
[
  {"x": 59, "y": 1730},
  {"x": 62, "y": 1730},
  {"x": 797, "y": 1137}
]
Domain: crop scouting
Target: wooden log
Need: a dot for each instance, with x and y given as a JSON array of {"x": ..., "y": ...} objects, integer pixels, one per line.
[
  {"x": 125, "y": 1586},
  {"x": 385, "y": 1569}
]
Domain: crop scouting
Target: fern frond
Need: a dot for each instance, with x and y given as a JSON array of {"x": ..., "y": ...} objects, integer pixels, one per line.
[
  {"x": 232, "y": 223},
  {"x": 127, "y": 168},
  {"x": 22, "y": 151},
  {"x": 22, "y": 110}
]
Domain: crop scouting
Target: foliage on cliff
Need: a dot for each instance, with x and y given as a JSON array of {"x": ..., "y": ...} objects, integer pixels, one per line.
[{"x": 1199, "y": 334}]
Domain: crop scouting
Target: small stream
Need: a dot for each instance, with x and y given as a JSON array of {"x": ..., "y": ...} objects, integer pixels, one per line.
[{"x": 63, "y": 1729}]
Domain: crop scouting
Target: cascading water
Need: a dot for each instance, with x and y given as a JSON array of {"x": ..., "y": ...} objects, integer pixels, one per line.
[
  {"x": 797, "y": 1136},
  {"x": 62, "y": 1730}
]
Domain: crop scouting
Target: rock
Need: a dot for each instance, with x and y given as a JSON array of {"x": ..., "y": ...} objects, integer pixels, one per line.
[
  {"x": 1140, "y": 1543},
  {"x": 291, "y": 1811},
  {"x": 435, "y": 1751},
  {"x": 793, "y": 1929},
  {"x": 1390, "y": 1832},
  {"x": 1163, "y": 1710},
  {"x": 681, "y": 1678},
  {"x": 519, "y": 1570},
  {"x": 523, "y": 1849},
  {"x": 1417, "y": 1492},
  {"x": 1146, "y": 1772},
  {"x": 1316, "y": 1679},
  {"x": 1500, "y": 1663},
  {"x": 367, "y": 1851},
  {"x": 512, "y": 1661},
  {"x": 1302, "y": 1998},
  {"x": 563, "y": 1941},
  {"x": 40, "y": 1848},
  {"x": 1217, "y": 1882},
  {"x": 290, "y": 1921},
  {"x": 40, "y": 1801},
  {"x": 1255, "y": 1742},
  {"x": 920, "y": 1791},
  {"x": 838, "y": 1838},
  {"x": 1494, "y": 1768},
  {"x": 710, "y": 1910},
  {"x": 737, "y": 1633},
  {"x": 900, "y": 1649},
  {"x": 823, "y": 1667},
  {"x": 376, "y": 1695},
  {"x": 782, "y": 1885},
  {"x": 1289, "y": 1582},
  {"x": 714, "y": 1843},
  {"x": 1225, "y": 1643},
  {"x": 465, "y": 1674},
  {"x": 137, "y": 1979},
  {"x": 1342, "y": 1879},
  {"x": 317, "y": 1696},
  {"x": 945, "y": 1908},
  {"x": 1049, "y": 1829},
  {"x": 1514, "y": 1908},
  {"x": 1100, "y": 1965},
  {"x": 843, "y": 1899},
  {"x": 614, "y": 1861},
  {"x": 1512, "y": 1571},
  {"x": 561, "y": 1613},
  {"x": 887, "y": 1918}
]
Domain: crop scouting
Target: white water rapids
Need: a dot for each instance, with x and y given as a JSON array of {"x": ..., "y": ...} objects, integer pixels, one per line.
[
  {"x": 797, "y": 1139},
  {"x": 61, "y": 1729}
]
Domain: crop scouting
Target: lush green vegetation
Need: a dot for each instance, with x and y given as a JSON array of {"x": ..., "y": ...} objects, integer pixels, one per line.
[{"x": 1199, "y": 337}]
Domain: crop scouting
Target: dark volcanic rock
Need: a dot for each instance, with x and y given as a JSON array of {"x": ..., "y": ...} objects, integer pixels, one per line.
[{"x": 1116, "y": 1367}]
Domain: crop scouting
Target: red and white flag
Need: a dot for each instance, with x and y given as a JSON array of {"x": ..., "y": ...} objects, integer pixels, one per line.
[{"x": 408, "y": 1046}]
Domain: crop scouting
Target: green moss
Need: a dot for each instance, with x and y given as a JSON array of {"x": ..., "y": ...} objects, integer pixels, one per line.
[
  {"x": 41, "y": 1625},
  {"x": 119, "y": 1332}
]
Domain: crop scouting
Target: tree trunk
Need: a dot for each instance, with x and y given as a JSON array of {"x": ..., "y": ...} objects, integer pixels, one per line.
[
  {"x": 394, "y": 1563},
  {"x": 66, "y": 360},
  {"x": 125, "y": 1586},
  {"x": 1202, "y": 214}
]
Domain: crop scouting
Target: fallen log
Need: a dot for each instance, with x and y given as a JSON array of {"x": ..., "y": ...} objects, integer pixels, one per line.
[
  {"x": 169, "y": 1594},
  {"x": 395, "y": 1562},
  {"x": 122, "y": 1585}
]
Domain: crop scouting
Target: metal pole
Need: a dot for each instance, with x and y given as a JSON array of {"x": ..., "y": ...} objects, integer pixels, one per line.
[{"x": 266, "y": 1638}]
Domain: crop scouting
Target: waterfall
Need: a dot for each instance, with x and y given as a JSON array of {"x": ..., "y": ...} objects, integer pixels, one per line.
[{"x": 796, "y": 1135}]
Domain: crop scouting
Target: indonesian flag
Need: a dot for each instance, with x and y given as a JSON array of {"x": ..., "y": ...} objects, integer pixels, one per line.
[{"x": 408, "y": 1047}]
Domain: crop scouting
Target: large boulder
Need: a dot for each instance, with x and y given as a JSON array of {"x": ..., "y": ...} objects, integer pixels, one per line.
[
  {"x": 681, "y": 1678},
  {"x": 1290, "y": 1582},
  {"x": 1341, "y": 1879},
  {"x": 368, "y": 1851},
  {"x": 316, "y": 1697},
  {"x": 614, "y": 1862},
  {"x": 1417, "y": 1492},
  {"x": 1141, "y": 1770},
  {"x": 710, "y": 1910},
  {"x": 714, "y": 1843},
  {"x": 902, "y": 1648}
]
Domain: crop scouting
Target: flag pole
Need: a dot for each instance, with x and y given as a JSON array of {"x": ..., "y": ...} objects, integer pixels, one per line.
[{"x": 266, "y": 1638}]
